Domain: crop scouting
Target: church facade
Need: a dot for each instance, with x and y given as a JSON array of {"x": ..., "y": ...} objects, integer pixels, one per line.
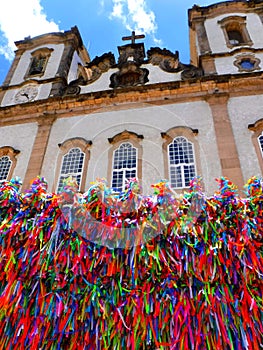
[{"x": 144, "y": 114}]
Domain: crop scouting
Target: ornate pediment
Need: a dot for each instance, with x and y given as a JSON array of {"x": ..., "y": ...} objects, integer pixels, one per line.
[
  {"x": 169, "y": 62},
  {"x": 129, "y": 71},
  {"x": 165, "y": 59},
  {"x": 191, "y": 72},
  {"x": 99, "y": 65},
  {"x": 131, "y": 57},
  {"x": 90, "y": 73},
  {"x": 131, "y": 52},
  {"x": 129, "y": 74}
]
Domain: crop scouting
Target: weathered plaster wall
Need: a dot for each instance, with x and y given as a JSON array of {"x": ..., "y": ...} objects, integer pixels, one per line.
[
  {"x": 101, "y": 84},
  {"x": 43, "y": 93},
  {"x": 156, "y": 75},
  {"x": 225, "y": 65},
  {"x": 147, "y": 120},
  {"x": 73, "y": 71},
  {"x": 20, "y": 137},
  {"x": 216, "y": 36},
  {"x": 51, "y": 68},
  {"x": 243, "y": 111}
]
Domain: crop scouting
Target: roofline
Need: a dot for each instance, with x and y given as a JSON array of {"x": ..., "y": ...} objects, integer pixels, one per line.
[
  {"x": 226, "y": 6},
  {"x": 29, "y": 42}
]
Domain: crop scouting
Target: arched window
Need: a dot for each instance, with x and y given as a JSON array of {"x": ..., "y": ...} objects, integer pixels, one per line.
[
  {"x": 37, "y": 65},
  {"x": 257, "y": 140},
  {"x": 72, "y": 165},
  {"x": 235, "y": 36},
  {"x": 124, "y": 165},
  {"x": 7, "y": 162},
  {"x": 260, "y": 141},
  {"x": 125, "y": 159},
  {"x": 39, "y": 61},
  {"x": 5, "y": 167},
  {"x": 181, "y": 156},
  {"x": 235, "y": 31},
  {"x": 73, "y": 162},
  {"x": 181, "y": 162},
  {"x": 247, "y": 63}
]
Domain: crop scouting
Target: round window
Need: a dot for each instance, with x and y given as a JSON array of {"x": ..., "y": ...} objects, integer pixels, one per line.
[{"x": 247, "y": 64}]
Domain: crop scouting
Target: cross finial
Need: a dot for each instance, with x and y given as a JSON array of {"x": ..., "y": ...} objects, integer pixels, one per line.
[{"x": 133, "y": 37}]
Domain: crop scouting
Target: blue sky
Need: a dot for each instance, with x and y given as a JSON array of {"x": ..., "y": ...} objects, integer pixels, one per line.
[{"x": 102, "y": 23}]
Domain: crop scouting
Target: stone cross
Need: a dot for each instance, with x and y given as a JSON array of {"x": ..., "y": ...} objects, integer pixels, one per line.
[{"x": 133, "y": 37}]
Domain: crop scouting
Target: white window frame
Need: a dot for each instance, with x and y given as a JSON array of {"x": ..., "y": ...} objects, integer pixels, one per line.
[
  {"x": 238, "y": 24},
  {"x": 42, "y": 53},
  {"x": 181, "y": 166},
  {"x": 9, "y": 168},
  {"x": 125, "y": 169},
  {"x": 73, "y": 174},
  {"x": 260, "y": 142}
]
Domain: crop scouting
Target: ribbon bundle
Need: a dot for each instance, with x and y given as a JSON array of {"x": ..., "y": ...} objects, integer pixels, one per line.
[{"x": 103, "y": 270}]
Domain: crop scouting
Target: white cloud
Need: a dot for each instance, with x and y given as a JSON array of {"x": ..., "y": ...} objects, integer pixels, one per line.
[
  {"x": 19, "y": 19},
  {"x": 135, "y": 15},
  {"x": 101, "y": 6},
  {"x": 118, "y": 10}
]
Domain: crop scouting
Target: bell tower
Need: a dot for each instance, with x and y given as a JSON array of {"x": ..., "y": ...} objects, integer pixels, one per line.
[
  {"x": 226, "y": 37},
  {"x": 43, "y": 66}
]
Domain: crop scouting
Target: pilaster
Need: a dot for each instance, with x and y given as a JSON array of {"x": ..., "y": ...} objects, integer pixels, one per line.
[
  {"x": 202, "y": 38},
  {"x": 207, "y": 63},
  {"x": 225, "y": 140},
  {"x": 204, "y": 50},
  {"x": 39, "y": 149},
  {"x": 63, "y": 69},
  {"x": 13, "y": 67}
]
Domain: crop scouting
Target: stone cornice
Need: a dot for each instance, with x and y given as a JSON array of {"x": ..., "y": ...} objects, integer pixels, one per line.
[
  {"x": 197, "y": 13},
  {"x": 33, "y": 81},
  {"x": 133, "y": 97},
  {"x": 51, "y": 38},
  {"x": 243, "y": 49}
]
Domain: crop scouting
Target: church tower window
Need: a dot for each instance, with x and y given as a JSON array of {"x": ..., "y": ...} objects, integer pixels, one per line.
[
  {"x": 235, "y": 31},
  {"x": 235, "y": 37},
  {"x": 39, "y": 62},
  {"x": 247, "y": 63},
  {"x": 124, "y": 165},
  {"x": 181, "y": 162},
  {"x": 37, "y": 65}
]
